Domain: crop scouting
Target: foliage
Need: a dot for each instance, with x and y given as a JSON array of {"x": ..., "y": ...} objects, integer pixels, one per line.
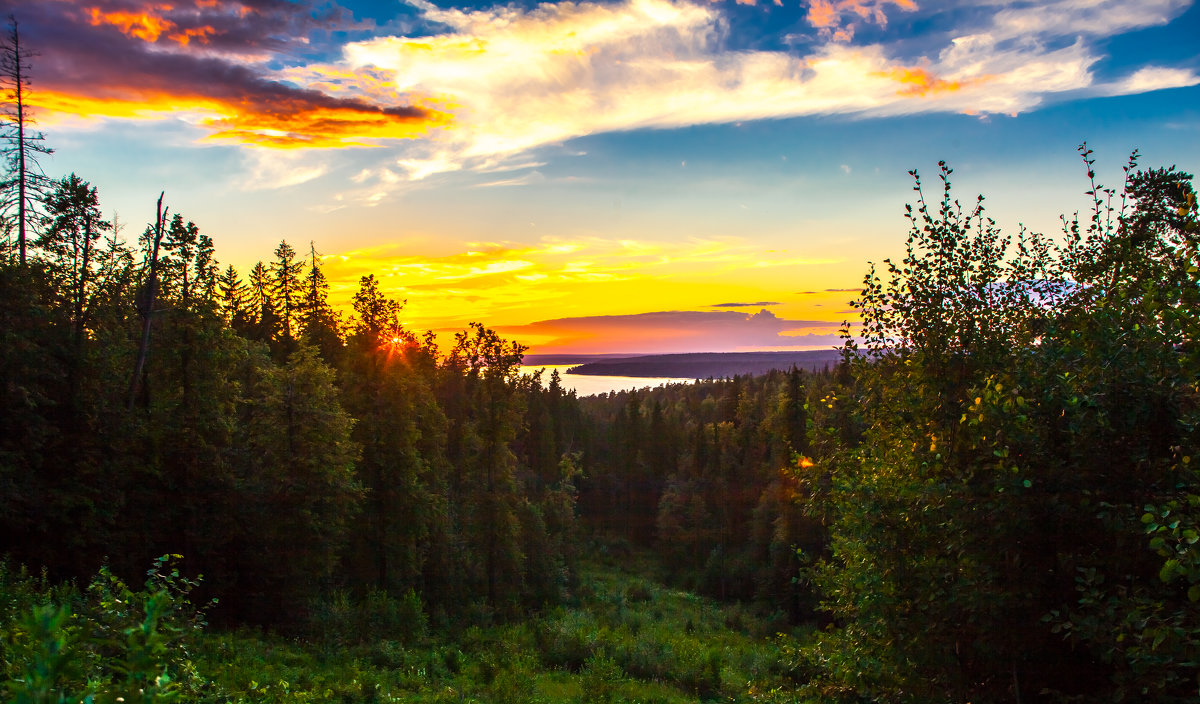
[
  {"x": 666, "y": 647},
  {"x": 107, "y": 644},
  {"x": 1026, "y": 408}
]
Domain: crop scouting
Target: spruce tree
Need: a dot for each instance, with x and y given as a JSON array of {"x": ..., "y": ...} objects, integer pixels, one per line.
[
  {"x": 262, "y": 305},
  {"x": 319, "y": 322},
  {"x": 285, "y": 286},
  {"x": 234, "y": 300},
  {"x": 180, "y": 243},
  {"x": 73, "y": 226}
]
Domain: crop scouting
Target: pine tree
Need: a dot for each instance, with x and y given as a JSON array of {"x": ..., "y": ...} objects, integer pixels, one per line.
[
  {"x": 319, "y": 322},
  {"x": 73, "y": 226},
  {"x": 181, "y": 243},
  {"x": 491, "y": 365},
  {"x": 262, "y": 305},
  {"x": 234, "y": 300},
  {"x": 205, "y": 270},
  {"x": 377, "y": 317},
  {"x": 285, "y": 286},
  {"x": 298, "y": 489}
]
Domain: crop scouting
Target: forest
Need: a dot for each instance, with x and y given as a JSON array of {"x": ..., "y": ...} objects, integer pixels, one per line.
[{"x": 219, "y": 487}]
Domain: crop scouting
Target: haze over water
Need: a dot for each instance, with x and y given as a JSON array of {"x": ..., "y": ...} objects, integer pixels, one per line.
[{"x": 588, "y": 385}]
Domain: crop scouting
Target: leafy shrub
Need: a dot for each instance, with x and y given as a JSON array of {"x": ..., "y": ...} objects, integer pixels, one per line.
[
  {"x": 601, "y": 679},
  {"x": 109, "y": 644},
  {"x": 339, "y": 619},
  {"x": 567, "y": 642},
  {"x": 513, "y": 682}
]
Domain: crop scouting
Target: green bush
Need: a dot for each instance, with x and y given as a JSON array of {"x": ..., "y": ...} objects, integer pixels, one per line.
[
  {"x": 108, "y": 644},
  {"x": 601, "y": 680},
  {"x": 567, "y": 642},
  {"x": 339, "y": 619}
]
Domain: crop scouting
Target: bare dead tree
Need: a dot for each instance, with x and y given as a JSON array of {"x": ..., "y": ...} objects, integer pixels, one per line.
[
  {"x": 149, "y": 293},
  {"x": 20, "y": 145}
]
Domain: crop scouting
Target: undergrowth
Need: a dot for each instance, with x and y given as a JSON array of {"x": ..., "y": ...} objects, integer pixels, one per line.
[{"x": 623, "y": 637}]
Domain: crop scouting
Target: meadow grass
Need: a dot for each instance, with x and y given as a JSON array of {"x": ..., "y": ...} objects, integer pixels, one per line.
[{"x": 622, "y": 637}]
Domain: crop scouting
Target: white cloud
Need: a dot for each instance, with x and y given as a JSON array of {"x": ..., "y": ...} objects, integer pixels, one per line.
[
  {"x": 1075, "y": 17},
  {"x": 517, "y": 79},
  {"x": 523, "y": 180},
  {"x": 272, "y": 168},
  {"x": 1151, "y": 78}
]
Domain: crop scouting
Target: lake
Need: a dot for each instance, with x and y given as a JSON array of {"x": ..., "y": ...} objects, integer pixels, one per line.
[{"x": 588, "y": 385}]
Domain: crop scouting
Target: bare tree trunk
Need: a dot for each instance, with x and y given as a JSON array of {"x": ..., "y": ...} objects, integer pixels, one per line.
[
  {"x": 147, "y": 308},
  {"x": 16, "y": 39},
  {"x": 23, "y": 144}
]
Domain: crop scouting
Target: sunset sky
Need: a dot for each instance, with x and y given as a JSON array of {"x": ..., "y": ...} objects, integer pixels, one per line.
[{"x": 616, "y": 176}]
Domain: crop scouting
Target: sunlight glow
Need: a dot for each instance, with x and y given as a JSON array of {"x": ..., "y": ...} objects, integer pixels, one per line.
[
  {"x": 593, "y": 276},
  {"x": 300, "y": 127}
]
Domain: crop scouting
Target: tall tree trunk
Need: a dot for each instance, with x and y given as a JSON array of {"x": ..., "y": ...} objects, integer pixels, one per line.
[
  {"x": 147, "y": 310},
  {"x": 20, "y": 143}
]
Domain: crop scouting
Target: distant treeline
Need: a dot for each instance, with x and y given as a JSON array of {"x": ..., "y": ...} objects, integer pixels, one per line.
[{"x": 710, "y": 365}]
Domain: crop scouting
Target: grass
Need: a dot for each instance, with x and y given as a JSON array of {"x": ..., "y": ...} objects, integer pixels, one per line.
[{"x": 625, "y": 637}]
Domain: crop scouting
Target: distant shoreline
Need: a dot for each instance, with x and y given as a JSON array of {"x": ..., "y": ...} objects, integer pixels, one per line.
[{"x": 703, "y": 365}]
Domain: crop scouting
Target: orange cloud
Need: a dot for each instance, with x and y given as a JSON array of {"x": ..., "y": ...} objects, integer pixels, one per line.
[
  {"x": 143, "y": 25},
  {"x": 324, "y": 127},
  {"x": 200, "y": 34},
  {"x": 293, "y": 125},
  {"x": 124, "y": 59},
  {"x": 56, "y": 104},
  {"x": 835, "y": 18},
  {"x": 919, "y": 81},
  {"x": 822, "y": 14},
  {"x": 366, "y": 82}
]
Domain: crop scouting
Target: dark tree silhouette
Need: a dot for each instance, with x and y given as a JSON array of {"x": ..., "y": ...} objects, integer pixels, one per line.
[{"x": 24, "y": 181}]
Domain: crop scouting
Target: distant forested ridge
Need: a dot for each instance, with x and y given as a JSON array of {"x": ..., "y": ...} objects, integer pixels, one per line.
[{"x": 710, "y": 365}]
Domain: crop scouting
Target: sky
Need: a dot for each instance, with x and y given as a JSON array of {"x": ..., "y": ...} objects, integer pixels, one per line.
[{"x": 617, "y": 176}]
